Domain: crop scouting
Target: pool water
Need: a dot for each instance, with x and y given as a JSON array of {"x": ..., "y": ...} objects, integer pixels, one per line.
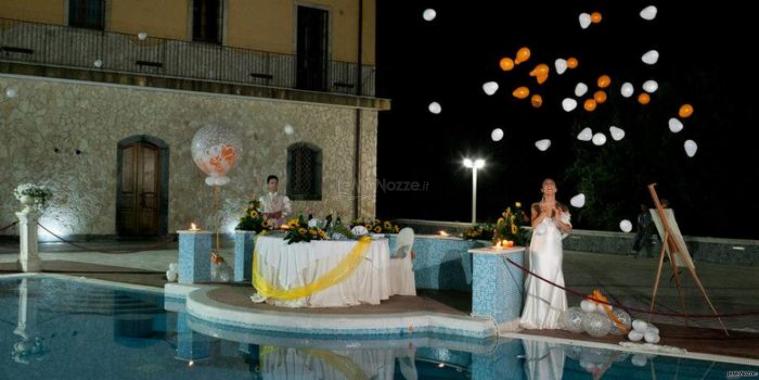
[{"x": 61, "y": 329}]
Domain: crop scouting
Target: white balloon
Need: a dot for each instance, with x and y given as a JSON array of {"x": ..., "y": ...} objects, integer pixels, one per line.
[
  {"x": 490, "y": 87},
  {"x": 648, "y": 13},
  {"x": 625, "y": 225},
  {"x": 584, "y": 20},
  {"x": 690, "y": 148},
  {"x": 289, "y": 129},
  {"x": 569, "y": 104},
  {"x": 578, "y": 200},
  {"x": 429, "y": 14},
  {"x": 675, "y": 125},
  {"x": 543, "y": 145},
  {"x": 651, "y": 337},
  {"x": 639, "y": 360},
  {"x": 650, "y": 86},
  {"x": 616, "y": 133},
  {"x": 435, "y": 108},
  {"x": 10, "y": 92},
  {"x": 627, "y": 90},
  {"x": 650, "y": 57},
  {"x": 561, "y": 65},
  {"x": 640, "y": 326},
  {"x": 496, "y": 134},
  {"x": 581, "y": 89},
  {"x": 635, "y": 336},
  {"x": 142, "y": 36},
  {"x": 599, "y": 139},
  {"x": 98, "y": 63},
  {"x": 585, "y": 135},
  {"x": 587, "y": 306}
]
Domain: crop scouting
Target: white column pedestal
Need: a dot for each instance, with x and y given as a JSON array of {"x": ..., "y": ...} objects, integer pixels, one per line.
[{"x": 28, "y": 257}]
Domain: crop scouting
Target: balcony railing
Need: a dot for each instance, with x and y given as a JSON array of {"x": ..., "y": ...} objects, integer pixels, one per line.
[{"x": 58, "y": 45}]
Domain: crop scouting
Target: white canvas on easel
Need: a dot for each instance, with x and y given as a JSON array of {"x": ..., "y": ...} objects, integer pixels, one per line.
[{"x": 675, "y": 229}]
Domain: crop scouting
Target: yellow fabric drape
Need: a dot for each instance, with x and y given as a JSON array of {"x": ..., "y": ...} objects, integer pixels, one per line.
[
  {"x": 340, "y": 272},
  {"x": 343, "y": 364}
]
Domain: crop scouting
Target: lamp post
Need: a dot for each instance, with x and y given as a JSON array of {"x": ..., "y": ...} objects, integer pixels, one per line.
[{"x": 474, "y": 165}]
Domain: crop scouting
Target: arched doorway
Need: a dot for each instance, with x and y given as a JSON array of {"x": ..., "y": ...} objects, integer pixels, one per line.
[{"x": 142, "y": 199}]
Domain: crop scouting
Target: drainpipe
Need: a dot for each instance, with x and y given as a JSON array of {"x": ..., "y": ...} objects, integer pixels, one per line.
[{"x": 359, "y": 90}]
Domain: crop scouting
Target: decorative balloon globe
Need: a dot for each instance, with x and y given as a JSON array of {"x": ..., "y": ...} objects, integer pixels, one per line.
[
  {"x": 216, "y": 150},
  {"x": 571, "y": 319},
  {"x": 596, "y": 325}
]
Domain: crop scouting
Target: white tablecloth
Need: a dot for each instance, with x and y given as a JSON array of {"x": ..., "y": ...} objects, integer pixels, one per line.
[{"x": 292, "y": 265}]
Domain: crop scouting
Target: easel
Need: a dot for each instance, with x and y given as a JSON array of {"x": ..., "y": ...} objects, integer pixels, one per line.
[{"x": 672, "y": 247}]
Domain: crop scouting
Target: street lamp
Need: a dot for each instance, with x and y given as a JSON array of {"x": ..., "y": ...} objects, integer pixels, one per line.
[{"x": 474, "y": 165}]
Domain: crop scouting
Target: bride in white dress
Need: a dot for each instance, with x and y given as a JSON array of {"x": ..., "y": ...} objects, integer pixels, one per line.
[{"x": 544, "y": 302}]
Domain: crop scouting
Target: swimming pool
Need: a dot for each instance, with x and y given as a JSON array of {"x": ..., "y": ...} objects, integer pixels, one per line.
[{"x": 52, "y": 328}]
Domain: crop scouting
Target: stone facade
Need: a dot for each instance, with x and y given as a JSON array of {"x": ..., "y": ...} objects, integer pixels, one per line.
[{"x": 49, "y": 120}]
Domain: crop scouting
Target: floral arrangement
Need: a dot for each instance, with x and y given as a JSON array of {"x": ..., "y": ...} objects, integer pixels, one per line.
[
  {"x": 31, "y": 194},
  {"x": 299, "y": 231},
  {"x": 253, "y": 219},
  {"x": 512, "y": 226},
  {"x": 479, "y": 232},
  {"x": 377, "y": 226}
]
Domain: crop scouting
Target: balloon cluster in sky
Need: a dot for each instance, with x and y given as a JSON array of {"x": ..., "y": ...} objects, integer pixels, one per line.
[{"x": 589, "y": 99}]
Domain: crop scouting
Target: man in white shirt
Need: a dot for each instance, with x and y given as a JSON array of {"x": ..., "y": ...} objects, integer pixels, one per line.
[{"x": 276, "y": 206}]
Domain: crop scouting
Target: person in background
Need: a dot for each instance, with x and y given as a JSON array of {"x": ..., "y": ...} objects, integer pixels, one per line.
[
  {"x": 643, "y": 234},
  {"x": 276, "y": 206}
]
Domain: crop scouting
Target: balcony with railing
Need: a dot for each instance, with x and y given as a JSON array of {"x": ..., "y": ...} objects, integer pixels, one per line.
[{"x": 112, "y": 52}]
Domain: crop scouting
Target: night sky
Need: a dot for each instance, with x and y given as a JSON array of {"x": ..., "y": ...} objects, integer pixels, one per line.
[{"x": 704, "y": 60}]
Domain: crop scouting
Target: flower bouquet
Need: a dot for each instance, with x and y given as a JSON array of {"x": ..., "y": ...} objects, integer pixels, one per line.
[
  {"x": 253, "y": 219},
  {"x": 511, "y": 226},
  {"x": 31, "y": 195},
  {"x": 299, "y": 231},
  {"x": 479, "y": 232},
  {"x": 377, "y": 226}
]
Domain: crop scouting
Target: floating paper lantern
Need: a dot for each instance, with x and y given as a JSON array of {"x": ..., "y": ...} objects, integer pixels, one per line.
[
  {"x": 685, "y": 111},
  {"x": 496, "y": 134},
  {"x": 650, "y": 86},
  {"x": 625, "y": 225},
  {"x": 690, "y": 148},
  {"x": 581, "y": 89},
  {"x": 585, "y": 20},
  {"x": 599, "y": 139},
  {"x": 616, "y": 133},
  {"x": 650, "y": 57},
  {"x": 585, "y": 135},
  {"x": 506, "y": 64},
  {"x": 543, "y": 145},
  {"x": 648, "y": 13},
  {"x": 490, "y": 88},
  {"x": 561, "y": 65},
  {"x": 627, "y": 90}
]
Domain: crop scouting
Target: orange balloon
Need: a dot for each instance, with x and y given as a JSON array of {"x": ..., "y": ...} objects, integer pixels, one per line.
[
  {"x": 506, "y": 63},
  {"x": 644, "y": 98},
  {"x": 596, "y": 17},
  {"x": 536, "y": 101},
  {"x": 540, "y": 72},
  {"x": 523, "y": 55},
  {"x": 589, "y": 105},
  {"x": 685, "y": 111},
  {"x": 604, "y": 81},
  {"x": 521, "y": 92},
  {"x": 600, "y": 97},
  {"x": 572, "y": 62}
]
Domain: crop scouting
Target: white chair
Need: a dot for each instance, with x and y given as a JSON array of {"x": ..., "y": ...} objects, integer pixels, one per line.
[{"x": 401, "y": 266}]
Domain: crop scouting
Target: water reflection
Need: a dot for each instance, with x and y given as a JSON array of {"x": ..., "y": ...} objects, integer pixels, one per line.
[{"x": 51, "y": 325}]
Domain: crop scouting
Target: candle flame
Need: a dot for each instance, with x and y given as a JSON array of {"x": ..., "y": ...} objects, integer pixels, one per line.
[
  {"x": 442, "y": 233},
  {"x": 193, "y": 227}
]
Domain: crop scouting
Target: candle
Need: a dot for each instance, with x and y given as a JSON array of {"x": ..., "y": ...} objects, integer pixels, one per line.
[
  {"x": 442, "y": 233},
  {"x": 193, "y": 227},
  {"x": 284, "y": 227}
]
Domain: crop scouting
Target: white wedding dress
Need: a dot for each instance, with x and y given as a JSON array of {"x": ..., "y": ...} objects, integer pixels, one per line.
[{"x": 544, "y": 302}]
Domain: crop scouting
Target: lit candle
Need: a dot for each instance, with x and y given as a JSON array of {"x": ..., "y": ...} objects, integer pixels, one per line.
[
  {"x": 193, "y": 227},
  {"x": 284, "y": 227},
  {"x": 442, "y": 233}
]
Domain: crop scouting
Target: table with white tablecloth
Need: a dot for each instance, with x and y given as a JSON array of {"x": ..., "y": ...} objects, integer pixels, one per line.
[{"x": 289, "y": 266}]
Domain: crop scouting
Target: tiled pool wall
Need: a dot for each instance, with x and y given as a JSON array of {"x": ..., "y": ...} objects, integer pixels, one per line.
[{"x": 703, "y": 249}]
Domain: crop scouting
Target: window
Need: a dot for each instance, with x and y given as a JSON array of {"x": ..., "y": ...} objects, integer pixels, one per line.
[
  {"x": 304, "y": 172},
  {"x": 87, "y": 14},
  {"x": 206, "y": 21}
]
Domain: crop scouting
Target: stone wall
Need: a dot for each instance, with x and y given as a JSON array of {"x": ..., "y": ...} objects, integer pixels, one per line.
[{"x": 49, "y": 115}]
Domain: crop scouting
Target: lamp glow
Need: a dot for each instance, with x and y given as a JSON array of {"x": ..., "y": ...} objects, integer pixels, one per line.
[{"x": 475, "y": 165}]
